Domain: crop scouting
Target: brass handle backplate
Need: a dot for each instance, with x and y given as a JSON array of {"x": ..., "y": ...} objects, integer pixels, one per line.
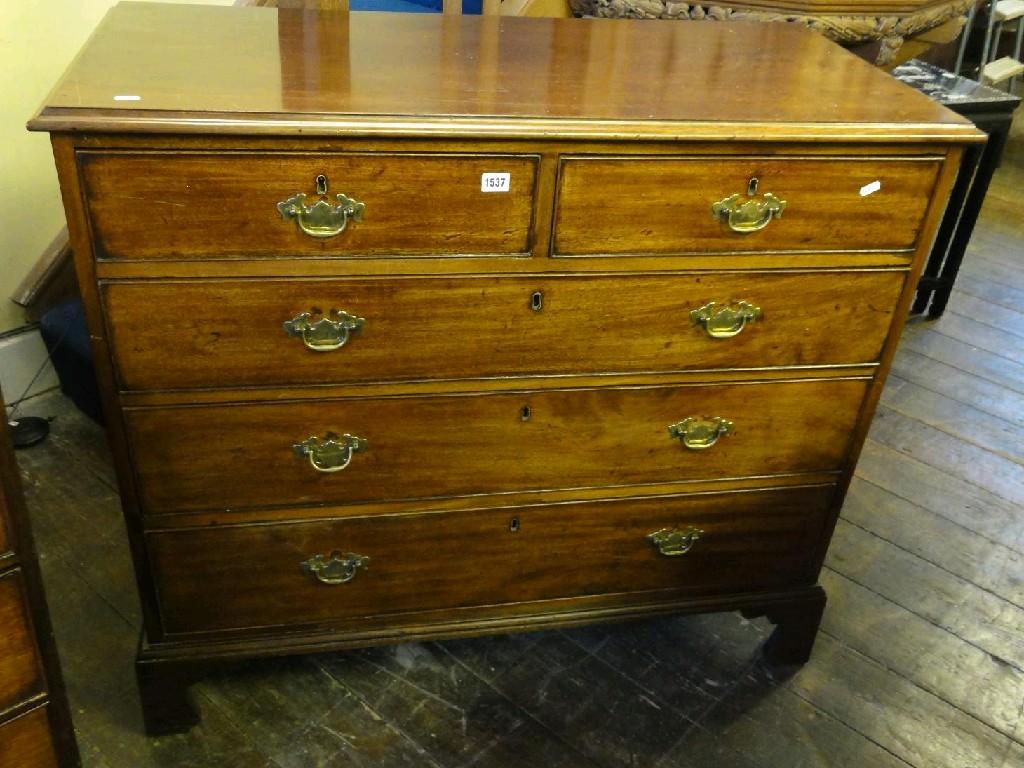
[
  {"x": 673, "y": 542},
  {"x": 328, "y": 333},
  {"x": 698, "y": 433},
  {"x": 322, "y": 219},
  {"x": 749, "y": 215},
  {"x": 336, "y": 568},
  {"x": 723, "y": 321},
  {"x": 330, "y": 453}
]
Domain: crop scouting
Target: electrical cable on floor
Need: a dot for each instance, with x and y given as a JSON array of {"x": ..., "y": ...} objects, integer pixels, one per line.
[{"x": 31, "y": 430}]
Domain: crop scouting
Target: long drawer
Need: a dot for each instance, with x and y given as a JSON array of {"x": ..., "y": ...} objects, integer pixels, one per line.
[
  {"x": 153, "y": 205},
  {"x": 663, "y": 205},
  {"x": 233, "y": 457},
  {"x": 224, "y": 333},
  {"x": 250, "y": 576}
]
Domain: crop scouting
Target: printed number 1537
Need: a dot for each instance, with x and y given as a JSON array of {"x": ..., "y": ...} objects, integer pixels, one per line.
[{"x": 495, "y": 182}]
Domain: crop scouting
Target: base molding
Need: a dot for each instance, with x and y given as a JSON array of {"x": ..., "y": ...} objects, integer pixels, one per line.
[{"x": 166, "y": 670}]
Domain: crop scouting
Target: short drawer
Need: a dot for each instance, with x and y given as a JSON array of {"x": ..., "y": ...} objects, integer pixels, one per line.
[
  {"x": 664, "y": 205},
  {"x": 228, "y": 333},
  {"x": 21, "y": 672},
  {"x": 252, "y": 576},
  {"x": 151, "y": 205},
  {"x": 232, "y": 457}
]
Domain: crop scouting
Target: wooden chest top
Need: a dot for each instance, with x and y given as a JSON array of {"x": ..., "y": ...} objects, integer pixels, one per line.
[{"x": 173, "y": 69}]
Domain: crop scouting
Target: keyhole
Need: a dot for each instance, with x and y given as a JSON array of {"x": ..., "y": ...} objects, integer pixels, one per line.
[
  {"x": 321, "y": 184},
  {"x": 752, "y": 187},
  {"x": 537, "y": 301},
  {"x": 525, "y": 413},
  {"x": 513, "y": 525}
]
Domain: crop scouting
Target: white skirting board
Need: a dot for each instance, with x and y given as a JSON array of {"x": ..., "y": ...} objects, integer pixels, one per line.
[{"x": 22, "y": 352}]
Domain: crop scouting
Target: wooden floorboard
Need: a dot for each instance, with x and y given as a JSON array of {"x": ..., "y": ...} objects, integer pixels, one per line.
[
  {"x": 974, "y": 391},
  {"x": 927, "y": 655},
  {"x": 924, "y": 590},
  {"x": 944, "y": 494},
  {"x": 988, "y": 564},
  {"x": 993, "y": 314},
  {"x": 991, "y": 291},
  {"x": 920, "y": 661},
  {"x": 458, "y": 717},
  {"x": 995, "y": 340},
  {"x": 958, "y": 458},
  {"x": 916, "y": 726},
  {"x": 574, "y": 696},
  {"x": 995, "y": 434}
]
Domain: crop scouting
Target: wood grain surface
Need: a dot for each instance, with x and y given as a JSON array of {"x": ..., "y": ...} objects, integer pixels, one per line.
[
  {"x": 663, "y": 205},
  {"x": 228, "y": 333},
  {"x": 205, "y": 205},
  {"x": 585, "y": 89},
  {"x": 234, "y": 457},
  {"x": 25, "y": 742},
  {"x": 21, "y": 671},
  {"x": 249, "y": 576},
  {"x": 895, "y": 680},
  {"x": 252, "y": 70}
]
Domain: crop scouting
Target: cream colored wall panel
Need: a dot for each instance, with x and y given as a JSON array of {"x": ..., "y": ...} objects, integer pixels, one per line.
[{"x": 38, "y": 39}]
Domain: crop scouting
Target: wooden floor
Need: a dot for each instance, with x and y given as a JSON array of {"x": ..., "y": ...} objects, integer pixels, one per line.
[{"x": 920, "y": 661}]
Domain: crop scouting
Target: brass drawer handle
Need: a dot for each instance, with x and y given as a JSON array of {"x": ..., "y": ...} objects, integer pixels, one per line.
[
  {"x": 673, "y": 542},
  {"x": 338, "y": 568},
  {"x": 698, "y": 432},
  {"x": 326, "y": 334},
  {"x": 322, "y": 219},
  {"x": 723, "y": 321},
  {"x": 750, "y": 215},
  {"x": 330, "y": 453}
]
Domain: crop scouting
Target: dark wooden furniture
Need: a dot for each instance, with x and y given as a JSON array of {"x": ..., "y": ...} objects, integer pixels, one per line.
[
  {"x": 35, "y": 725},
  {"x": 990, "y": 110},
  {"x": 396, "y": 348}
]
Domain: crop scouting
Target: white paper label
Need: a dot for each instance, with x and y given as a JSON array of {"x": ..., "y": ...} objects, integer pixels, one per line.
[
  {"x": 495, "y": 182},
  {"x": 870, "y": 189}
]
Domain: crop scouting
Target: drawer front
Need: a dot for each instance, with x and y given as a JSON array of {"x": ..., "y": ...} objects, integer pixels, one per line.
[
  {"x": 248, "y": 576},
  {"x": 224, "y": 333},
  {"x": 664, "y": 205},
  {"x": 198, "y": 205},
  {"x": 239, "y": 456},
  {"x": 21, "y": 674},
  {"x": 25, "y": 742}
]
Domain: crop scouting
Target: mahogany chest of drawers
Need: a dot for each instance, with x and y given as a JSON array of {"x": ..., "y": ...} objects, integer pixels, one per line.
[{"x": 419, "y": 327}]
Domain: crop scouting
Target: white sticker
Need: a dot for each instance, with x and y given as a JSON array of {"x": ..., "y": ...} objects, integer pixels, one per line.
[
  {"x": 870, "y": 189},
  {"x": 495, "y": 182},
  {"x": 127, "y": 97}
]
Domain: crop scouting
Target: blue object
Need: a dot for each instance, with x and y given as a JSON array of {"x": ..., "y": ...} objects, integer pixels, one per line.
[
  {"x": 412, "y": 6},
  {"x": 67, "y": 339}
]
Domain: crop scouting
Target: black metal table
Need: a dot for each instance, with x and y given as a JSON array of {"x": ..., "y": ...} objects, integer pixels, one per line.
[{"x": 992, "y": 111}]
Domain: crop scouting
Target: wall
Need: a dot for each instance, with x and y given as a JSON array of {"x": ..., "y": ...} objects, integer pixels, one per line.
[{"x": 38, "y": 39}]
